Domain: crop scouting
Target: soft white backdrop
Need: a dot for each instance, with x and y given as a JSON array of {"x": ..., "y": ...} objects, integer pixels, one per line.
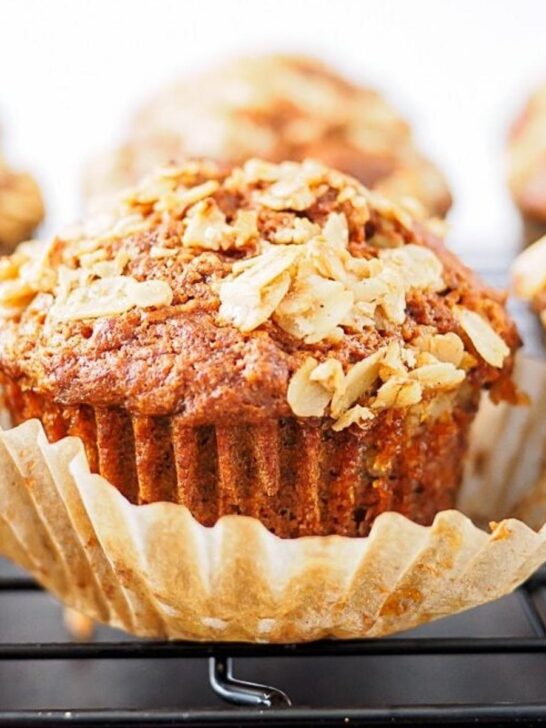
[{"x": 71, "y": 71}]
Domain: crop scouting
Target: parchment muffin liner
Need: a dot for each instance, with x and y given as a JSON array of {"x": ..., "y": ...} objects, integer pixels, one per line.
[{"x": 153, "y": 570}]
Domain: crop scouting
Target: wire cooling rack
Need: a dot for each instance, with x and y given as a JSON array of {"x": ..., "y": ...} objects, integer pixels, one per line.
[
  {"x": 252, "y": 703},
  {"x": 430, "y": 677}
]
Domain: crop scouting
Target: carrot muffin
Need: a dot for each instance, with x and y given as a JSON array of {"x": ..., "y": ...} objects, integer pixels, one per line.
[
  {"x": 21, "y": 207},
  {"x": 274, "y": 340},
  {"x": 527, "y": 164},
  {"x": 276, "y": 108}
]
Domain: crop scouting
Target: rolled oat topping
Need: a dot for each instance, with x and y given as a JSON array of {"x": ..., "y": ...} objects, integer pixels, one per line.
[
  {"x": 324, "y": 299},
  {"x": 486, "y": 340},
  {"x": 111, "y": 296},
  {"x": 391, "y": 377}
]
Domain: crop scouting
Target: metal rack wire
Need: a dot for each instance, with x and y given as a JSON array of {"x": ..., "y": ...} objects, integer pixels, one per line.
[{"x": 269, "y": 705}]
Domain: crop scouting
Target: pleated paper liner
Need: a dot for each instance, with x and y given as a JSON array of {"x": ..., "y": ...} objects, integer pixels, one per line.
[{"x": 154, "y": 571}]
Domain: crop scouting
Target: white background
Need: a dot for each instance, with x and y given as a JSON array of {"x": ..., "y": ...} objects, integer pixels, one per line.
[{"x": 71, "y": 71}]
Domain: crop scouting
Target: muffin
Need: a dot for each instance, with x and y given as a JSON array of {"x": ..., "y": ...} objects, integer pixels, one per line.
[
  {"x": 527, "y": 164},
  {"x": 272, "y": 340},
  {"x": 21, "y": 207},
  {"x": 529, "y": 276},
  {"x": 276, "y": 108}
]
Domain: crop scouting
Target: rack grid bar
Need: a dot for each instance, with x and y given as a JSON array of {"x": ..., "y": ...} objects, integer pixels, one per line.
[
  {"x": 446, "y": 715},
  {"x": 532, "y": 612},
  {"x": 177, "y": 650},
  {"x": 531, "y": 596},
  {"x": 19, "y": 584}
]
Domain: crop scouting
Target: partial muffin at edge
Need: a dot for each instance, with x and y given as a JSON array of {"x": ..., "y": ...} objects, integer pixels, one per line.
[
  {"x": 529, "y": 276},
  {"x": 278, "y": 108},
  {"x": 275, "y": 341},
  {"x": 21, "y": 207},
  {"x": 527, "y": 164}
]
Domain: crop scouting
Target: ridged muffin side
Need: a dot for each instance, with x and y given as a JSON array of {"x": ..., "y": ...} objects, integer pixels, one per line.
[
  {"x": 274, "y": 340},
  {"x": 296, "y": 478}
]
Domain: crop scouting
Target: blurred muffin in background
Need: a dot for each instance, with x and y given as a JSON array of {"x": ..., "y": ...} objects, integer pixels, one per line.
[
  {"x": 277, "y": 108},
  {"x": 529, "y": 276},
  {"x": 21, "y": 207},
  {"x": 527, "y": 164}
]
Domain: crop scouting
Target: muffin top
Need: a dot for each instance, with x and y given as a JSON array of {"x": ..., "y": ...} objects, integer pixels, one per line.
[
  {"x": 21, "y": 207},
  {"x": 276, "y": 108},
  {"x": 263, "y": 291},
  {"x": 527, "y": 157}
]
